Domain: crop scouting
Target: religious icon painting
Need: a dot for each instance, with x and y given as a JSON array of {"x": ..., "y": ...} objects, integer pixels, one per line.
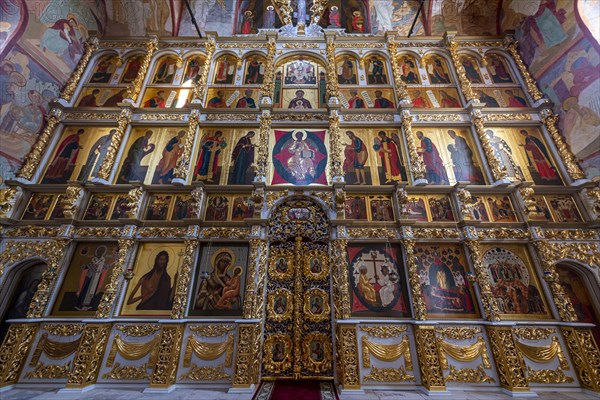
[
  {"x": 243, "y": 169},
  {"x": 220, "y": 280},
  {"x": 88, "y": 273},
  {"x": 315, "y": 265},
  {"x": 499, "y": 69},
  {"x": 449, "y": 155},
  {"x": 104, "y": 69},
  {"x": 515, "y": 286},
  {"x": 346, "y": 69},
  {"x": 415, "y": 209},
  {"x": 166, "y": 98},
  {"x": 440, "y": 208},
  {"x": 233, "y": 98},
  {"x": 356, "y": 166},
  {"x": 300, "y": 72},
  {"x": 243, "y": 207},
  {"x": 300, "y": 99},
  {"x": 381, "y": 208},
  {"x": 182, "y": 209},
  {"x": 132, "y": 68},
  {"x": 277, "y": 356},
  {"x": 380, "y": 99},
  {"x": 121, "y": 208},
  {"x": 471, "y": 67},
  {"x": 101, "y": 97},
  {"x": 79, "y": 154},
  {"x": 356, "y": 207},
  {"x": 158, "y": 207},
  {"x": 434, "y": 97},
  {"x": 39, "y": 206},
  {"x": 280, "y": 305},
  {"x": 540, "y": 211},
  {"x": 524, "y": 154},
  {"x": 316, "y": 305},
  {"x": 58, "y": 211},
  {"x": 151, "y": 155},
  {"x": 377, "y": 72},
  {"x": 564, "y": 208},
  {"x": 476, "y": 210},
  {"x": 437, "y": 70},
  {"x": 317, "y": 352},
  {"x": 209, "y": 165},
  {"x": 98, "y": 207},
  {"x": 155, "y": 274},
  {"x": 442, "y": 273},
  {"x": 224, "y": 71},
  {"x": 391, "y": 167},
  {"x": 281, "y": 264},
  {"x": 255, "y": 70},
  {"x": 299, "y": 157},
  {"x": 409, "y": 69},
  {"x": 217, "y": 208},
  {"x": 193, "y": 69},
  {"x": 166, "y": 68},
  {"x": 501, "y": 208},
  {"x": 378, "y": 281}
]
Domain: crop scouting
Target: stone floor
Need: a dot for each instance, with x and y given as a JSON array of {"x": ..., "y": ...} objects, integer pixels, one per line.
[{"x": 193, "y": 394}]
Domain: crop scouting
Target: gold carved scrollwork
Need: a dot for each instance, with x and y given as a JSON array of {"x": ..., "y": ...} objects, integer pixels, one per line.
[
  {"x": 335, "y": 143},
  {"x": 548, "y": 376},
  {"x": 128, "y": 372},
  {"x": 200, "y": 87},
  {"x": 159, "y": 232},
  {"x": 206, "y": 373},
  {"x": 212, "y": 330},
  {"x": 209, "y": 351},
  {"x": 511, "y": 46},
  {"x": 49, "y": 250},
  {"x": 401, "y": 92},
  {"x": 389, "y": 375},
  {"x": 313, "y": 360},
  {"x": 417, "y": 166},
  {"x": 510, "y": 366},
  {"x": 162, "y": 117},
  {"x": 30, "y": 232},
  {"x": 138, "y": 330},
  {"x": 436, "y": 233},
  {"x": 247, "y": 358},
  {"x": 379, "y": 233},
  {"x": 226, "y": 233},
  {"x": 384, "y": 331},
  {"x": 88, "y": 358},
  {"x": 14, "y": 350},
  {"x": 429, "y": 362},
  {"x": 70, "y": 200},
  {"x": 438, "y": 117},
  {"x": 570, "y": 234},
  {"x": 341, "y": 287},
  {"x": 498, "y": 170},
  {"x": 110, "y": 291},
  {"x": 566, "y": 155},
  {"x": 333, "y": 86},
  {"x": 585, "y": 356},
  {"x": 348, "y": 367},
  {"x": 268, "y": 86},
  {"x": 259, "y": 298},
  {"x": 102, "y": 232},
  {"x": 465, "y": 84},
  {"x": 368, "y": 117},
  {"x": 321, "y": 310},
  {"x": 136, "y": 86},
  {"x": 419, "y": 307},
  {"x": 386, "y": 352},
  {"x": 507, "y": 117},
  {"x": 52, "y": 371},
  {"x": 470, "y": 375},
  {"x": 533, "y": 333},
  {"x": 109, "y": 160},
  {"x": 35, "y": 155},
  {"x": 90, "y": 46},
  {"x": 458, "y": 333},
  {"x": 482, "y": 278},
  {"x": 280, "y": 305},
  {"x": 63, "y": 329},
  {"x": 183, "y": 283},
  {"x": 504, "y": 233},
  {"x": 8, "y": 198},
  {"x": 183, "y": 164},
  {"x": 168, "y": 356},
  {"x": 89, "y": 115},
  {"x": 231, "y": 117}
]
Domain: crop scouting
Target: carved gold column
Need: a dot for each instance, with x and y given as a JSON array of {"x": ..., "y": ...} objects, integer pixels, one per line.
[
  {"x": 110, "y": 291},
  {"x": 465, "y": 84},
  {"x": 55, "y": 250},
  {"x": 200, "y": 87},
  {"x": 268, "y": 86},
  {"x": 183, "y": 283},
  {"x": 509, "y": 363},
  {"x": 348, "y": 363},
  {"x": 490, "y": 307},
  {"x": 262, "y": 154},
  {"x": 333, "y": 86},
  {"x": 254, "y": 302},
  {"x": 432, "y": 375},
  {"x": 14, "y": 351},
  {"x": 420, "y": 310},
  {"x": 88, "y": 358},
  {"x": 284, "y": 10},
  {"x": 511, "y": 45},
  {"x": 335, "y": 146},
  {"x": 399, "y": 85},
  {"x": 8, "y": 199},
  {"x": 247, "y": 358},
  {"x": 89, "y": 48},
  {"x": 32, "y": 161},
  {"x": 585, "y": 356},
  {"x": 417, "y": 166},
  {"x": 341, "y": 287},
  {"x": 109, "y": 160},
  {"x": 136, "y": 86},
  {"x": 550, "y": 120},
  {"x": 498, "y": 171},
  {"x": 164, "y": 373},
  {"x": 70, "y": 201},
  {"x": 561, "y": 299},
  {"x": 181, "y": 171}
]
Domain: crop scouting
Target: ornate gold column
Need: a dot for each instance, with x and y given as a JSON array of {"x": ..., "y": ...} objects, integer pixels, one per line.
[
  {"x": 70, "y": 201},
  {"x": 33, "y": 159},
  {"x": 200, "y": 87},
  {"x": 262, "y": 154},
  {"x": 417, "y": 166},
  {"x": 8, "y": 199},
  {"x": 136, "y": 86},
  {"x": 109, "y": 160},
  {"x": 498, "y": 171},
  {"x": 268, "y": 85},
  {"x": 348, "y": 363},
  {"x": 254, "y": 301},
  {"x": 247, "y": 359},
  {"x": 88, "y": 358},
  {"x": 550, "y": 120},
  {"x": 90, "y": 46},
  {"x": 510, "y": 365},
  {"x": 183, "y": 283},
  {"x": 164, "y": 373},
  {"x": 14, "y": 351},
  {"x": 420, "y": 310},
  {"x": 333, "y": 86},
  {"x": 341, "y": 287},
  {"x": 183, "y": 163},
  {"x": 432, "y": 376},
  {"x": 465, "y": 84},
  {"x": 585, "y": 356},
  {"x": 335, "y": 146},
  {"x": 110, "y": 291},
  {"x": 511, "y": 45},
  {"x": 399, "y": 85}
]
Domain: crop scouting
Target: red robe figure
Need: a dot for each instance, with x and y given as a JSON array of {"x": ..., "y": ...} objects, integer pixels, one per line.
[
  {"x": 436, "y": 173},
  {"x": 541, "y": 158},
  {"x": 63, "y": 164}
]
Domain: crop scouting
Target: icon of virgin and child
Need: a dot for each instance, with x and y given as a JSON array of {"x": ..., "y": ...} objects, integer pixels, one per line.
[{"x": 221, "y": 289}]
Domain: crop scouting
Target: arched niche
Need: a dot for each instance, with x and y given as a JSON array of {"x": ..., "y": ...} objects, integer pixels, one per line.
[
  {"x": 194, "y": 67},
  {"x": 499, "y": 68},
  {"x": 133, "y": 63},
  {"x": 300, "y": 82},
  {"x": 165, "y": 69},
  {"x": 437, "y": 69},
  {"x": 104, "y": 68}
]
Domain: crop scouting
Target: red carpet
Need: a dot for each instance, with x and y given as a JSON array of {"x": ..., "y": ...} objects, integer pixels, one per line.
[{"x": 296, "y": 390}]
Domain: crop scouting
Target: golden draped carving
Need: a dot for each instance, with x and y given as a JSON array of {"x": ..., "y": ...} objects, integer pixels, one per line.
[
  {"x": 133, "y": 351},
  {"x": 463, "y": 353},
  {"x": 386, "y": 352},
  {"x": 209, "y": 351},
  {"x": 53, "y": 349},
  {"x": 544, "y": 354}
]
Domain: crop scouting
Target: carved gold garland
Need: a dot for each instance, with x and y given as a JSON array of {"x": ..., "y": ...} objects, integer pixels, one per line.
[
  {"x": 109, "y": 160},
  {"x": 419, "y": 307},
  {"x": 247, "y": 359},
  {"x": 63, "y": 329},
  {"x": 53, "y": 349},
  {"x": 544, "y": 354},
  {"x": 136, "y": 86},
  {"x": 185, "y": 275},
  {"x": 482, "y": 278},
  {"x": 511, "y": 46},
  {"x": 470, "y": 375},
  {"x": 128, "y": 372},
  {"x": 209, "y": 351},
  {"x": 333, "y": 86},
  {"x": 199, "y": 90},
  {"x": 14, "y": 350},
  {"x": 211, "y": 330},
  {"x": 458, "y": 333},
  {"x": 368, "y": 117},
  {"x": 533, "y": 333},
  {"x": 133, "y": 350},
  {"x": 548, "y": 376},
  {"x": 465, "y": 353},
  {"x": 386, "y": 352},
  {"x": 168, "y": 356},
  {"x": 379, "y": 233},
  {"x": 438, "y": 117},
  {"x": 417, "y": 166},
  {"x": 183, "y": 163},
  {"x": 435, "y": 233},
  {"x": 401, "y": 92},
  {"x": 110, "y": 290},
  {"x": 566, "y": 155},
  {"x": 465, "y": 84},
  {"x": 88, "y": 357},
  {"x": 206, "y": 373},
  {"x": 52, "y": 371},
  {"x": 103, "y": 232},
  {"x": 341, "y": 287},
  {"x": 336, "y": 144},
  {"x": 507, "y": 117},
  {"x": 389, "y": 375}
]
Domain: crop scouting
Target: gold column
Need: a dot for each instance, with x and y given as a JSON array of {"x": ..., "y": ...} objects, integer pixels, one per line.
[
  {"x": 14, "y": 351},
  {"x": 8, "y": 199},
  {"x": 55, "y": 250},
  {"x": 432, "y": 375},
  {"x": 348, "y": 365},
  {"x": 420, "y": 309},
  {"x": 268, "y": 86},
  {"x": 585, "y": 355},
  {"x": 341, "y": 287},
  {"x": 509, "y": 363},
  {"x": 333, "y": 86},
  {"x": 183, "y": 164},
  {"x": 417, "y": 166},
  {"x": 492, "y": 312},
  {"x": 88, "y": 358},
  {"x": 335, "y": 145},
  {"x": 109, "y": 160},
  {"x": 262, "y": 154},
  {"x": 511, "y": 46},
  {"x": 200, "y": 87},
  {"x": 70, "y": 200},
  {"x": 465, "y": 84},
  {"x": 110, "y": 291},
  {"x": 399, "y": 85},
  {"x": 498, "y": 171},
  {"x": 136, "y": 86},
  {"x": 561, "y": 300},
  {"x": 254, "y": 302},
  {"x": 164, "y": 373},
  {"x": 32, "y": 161},
  {"x": 89, "y": 48},
  {"x": 550, "y": 120},
  {"x": 183, "y": 283},
  {"x": 247, "y": 359}
]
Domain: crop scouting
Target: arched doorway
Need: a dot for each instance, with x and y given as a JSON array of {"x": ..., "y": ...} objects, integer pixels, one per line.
[
  {"x": 298, "y": 331},
  {"x": 19, "y": 287}
]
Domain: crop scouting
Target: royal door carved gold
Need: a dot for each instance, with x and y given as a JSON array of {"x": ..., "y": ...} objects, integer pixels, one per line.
[{"x": 298, "y": 316}]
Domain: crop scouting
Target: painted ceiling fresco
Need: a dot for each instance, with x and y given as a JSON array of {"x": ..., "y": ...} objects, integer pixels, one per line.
[{"x": 42, "y": 40}]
